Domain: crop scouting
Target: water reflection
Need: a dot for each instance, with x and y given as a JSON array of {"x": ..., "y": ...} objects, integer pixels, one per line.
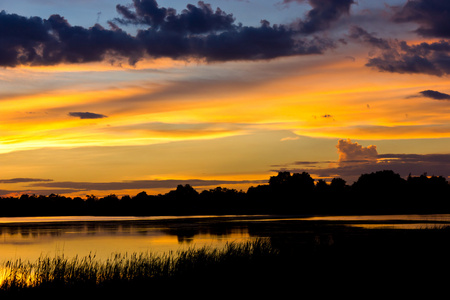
[
  {"x": 389, "y": 221},
  {"x": 385, "y": 218},
  {"x": 32, "y": 238}
]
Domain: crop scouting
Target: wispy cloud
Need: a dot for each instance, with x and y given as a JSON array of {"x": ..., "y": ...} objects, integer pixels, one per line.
[
  {"x": 435, "y": 95},
  {"x": 138, "y": 184},
  {"x": 24, "y": 180},
  {"x": 87, "y": 115},
  {"x": 289, "y": 138}
]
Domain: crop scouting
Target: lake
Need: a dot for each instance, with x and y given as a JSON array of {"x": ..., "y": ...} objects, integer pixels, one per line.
[{"x": 28, "y": 238}]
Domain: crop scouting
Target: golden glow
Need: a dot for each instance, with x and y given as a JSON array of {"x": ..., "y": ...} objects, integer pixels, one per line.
[
  {"x": 230, "y": 121},
  {"x": 159, "y": 63},
  {"x": 339, "y": 99}
]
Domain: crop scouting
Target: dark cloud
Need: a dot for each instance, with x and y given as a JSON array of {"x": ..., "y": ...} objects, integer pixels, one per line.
[
  {"x": 435, "y": 95},
  {"x": 23, "y": 180},
  {"x": 323, "y": 14},
  {"x": 36, "y": 41},
  {"x": 359, "y": 33},
  {"x": 303, "y": 163},
  {"x": 86, "y": 115},
  {"x": 15, "y": 193},
  {"x": 399, "y": 57},
  {"x": 197, "y": 32},
  {"x": 443, "y": 159},
  {"x": 241, "y": 43},
  {"x": 431, "y": 15},
  {"x": 44, "y": 187},
  {"x": 192, "y": 20},
  {"x": 355, "y": 159},
  {"x": 137, "y": 184},
  {"x": 201, "y": 33},
  {"x": 414, "y": 164},
  {"x": 426, "y": 58}
]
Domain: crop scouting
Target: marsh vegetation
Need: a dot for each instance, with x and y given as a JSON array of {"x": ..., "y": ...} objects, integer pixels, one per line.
[{"x": 308, "y": 259}]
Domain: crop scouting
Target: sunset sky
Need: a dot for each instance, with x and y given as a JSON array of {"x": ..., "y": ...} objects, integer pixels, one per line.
[{"x": 102, "y": 96}]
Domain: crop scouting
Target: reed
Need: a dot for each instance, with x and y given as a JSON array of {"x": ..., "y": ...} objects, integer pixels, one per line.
[
  {"x": 123, "y": 268},
  {"x": 321, "y": 261}
]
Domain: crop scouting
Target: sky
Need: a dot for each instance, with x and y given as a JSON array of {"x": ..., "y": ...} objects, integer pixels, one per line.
[{"x": 117, "y": 97}]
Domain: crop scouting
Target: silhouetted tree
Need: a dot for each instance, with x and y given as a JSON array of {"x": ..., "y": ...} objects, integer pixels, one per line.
[
  {"x": 222, "y": 201},
  {"x": 377, "y": 192},
  {"x": 338, "y": 184},
  {"x": 429, "y": 193},
  {"x": 381, "y": 191},
  {"x": 380, "y": 182},
  {"x": 260, "y": 198},
  {"x": 291, "y": 192},
  {"x": 282, "y": 179},
  {"x": 322, "y": 185},
  {"x": 183, "y": 199},
  {"x": 303, "y": 181}
]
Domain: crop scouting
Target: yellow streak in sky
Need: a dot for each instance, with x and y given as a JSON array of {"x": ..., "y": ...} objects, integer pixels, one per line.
[
  {"x": 342, "y": 99},
  {"x": 159, "y": 63}
]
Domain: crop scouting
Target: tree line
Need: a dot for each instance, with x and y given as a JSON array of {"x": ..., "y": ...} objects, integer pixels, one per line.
[{"x": 381, "y": 192}]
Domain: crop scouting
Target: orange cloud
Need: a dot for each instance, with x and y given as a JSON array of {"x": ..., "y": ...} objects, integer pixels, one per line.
[{"x": 354, "y": 151}]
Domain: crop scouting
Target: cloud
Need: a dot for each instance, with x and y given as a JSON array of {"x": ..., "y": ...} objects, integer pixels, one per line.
[
  {"x": 431, "y": 15},
  {"x": 36, "y": 41},
  {"x": 290, "y": 138},
  {"x": 349, "y": 151},
  {"x": 414, "y": 164},
  {"x": 201, "y": 33},
  {"x": 47, "y": 186},
  {"x": 355, "y": 160},
  {"x": 359, "y": 33},
  {"x": 192, "y": 20},
  {"x": 18, "y": 193},
  {"x": 138, "y": 184},
  {"x": 23, "y": 180},
  {"x": 86, "y": 115},
  {"x": 417, "y": 158},
  {"x": 323, "y": 14},
  {"x": 203, "y": 19},
  {"x": 399, "y": 57},
  {"x": 197, "y": 32},
  {"x": 435, "y": 95}
]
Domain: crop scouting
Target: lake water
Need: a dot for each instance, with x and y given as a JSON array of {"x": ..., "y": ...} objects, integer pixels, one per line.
[{"x": 30, "y": 238}]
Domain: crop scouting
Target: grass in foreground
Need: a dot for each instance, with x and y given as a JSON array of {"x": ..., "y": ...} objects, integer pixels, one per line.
[
  {"x": 324, "y": 261},
  {"x": 122, "y": 272}
]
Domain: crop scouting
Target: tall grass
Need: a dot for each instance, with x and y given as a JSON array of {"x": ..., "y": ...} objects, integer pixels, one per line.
[
  {"x": 122, "y": 269},
  {"x": 321, "y": 261}
]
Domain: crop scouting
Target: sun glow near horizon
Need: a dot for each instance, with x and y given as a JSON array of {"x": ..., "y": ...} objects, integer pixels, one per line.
[{"x": 111, "y": 106}]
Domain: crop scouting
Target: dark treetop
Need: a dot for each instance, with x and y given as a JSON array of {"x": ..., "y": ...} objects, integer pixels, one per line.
[{"x": 382, "y": 192}]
